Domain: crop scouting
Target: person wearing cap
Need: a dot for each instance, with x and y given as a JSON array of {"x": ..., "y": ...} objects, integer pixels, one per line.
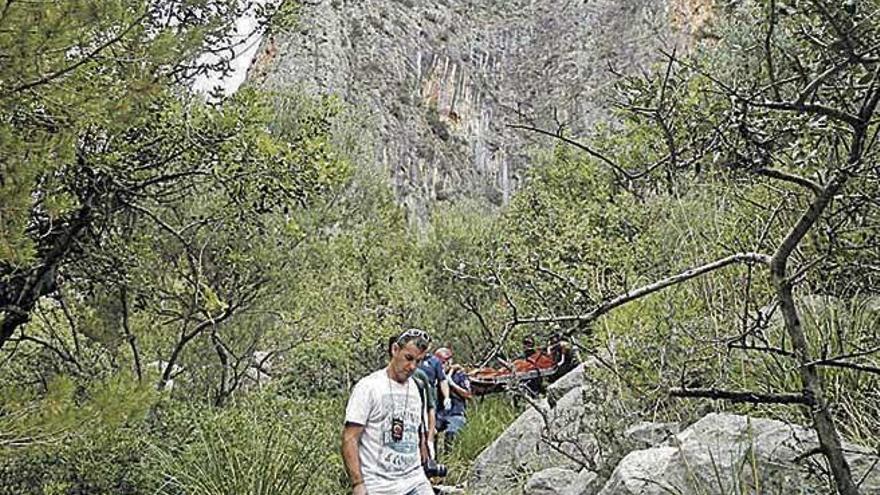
[{"x": 383, "y": 440}]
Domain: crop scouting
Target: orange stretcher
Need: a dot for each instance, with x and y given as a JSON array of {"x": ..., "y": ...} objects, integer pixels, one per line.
[{"x": 538, "y": 365}]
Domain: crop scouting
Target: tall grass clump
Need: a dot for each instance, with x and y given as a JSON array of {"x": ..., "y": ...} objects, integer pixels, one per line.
[{"x": 266, "y": 445}]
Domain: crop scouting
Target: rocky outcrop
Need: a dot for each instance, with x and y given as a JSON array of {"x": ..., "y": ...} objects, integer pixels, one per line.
[
  {"x": 571, "y": 380},
  {"x": 726, "y": 453},
  {"x": 647, "y": 434},
  {"x": 719, "y": 454},
  {"x": 551, "y": 451},
  {"x": 541, "y": 438},
  {"x": 441, "y": 80}
]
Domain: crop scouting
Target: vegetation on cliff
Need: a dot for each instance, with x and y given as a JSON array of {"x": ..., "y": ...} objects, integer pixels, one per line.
[{"x": 189, "y": 289}]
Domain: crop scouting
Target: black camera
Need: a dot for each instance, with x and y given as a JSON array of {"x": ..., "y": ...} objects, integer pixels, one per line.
[{"x": 434, "y": 470}]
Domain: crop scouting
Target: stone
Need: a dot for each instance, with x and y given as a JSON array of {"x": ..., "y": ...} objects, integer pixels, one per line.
[
  {"x": 727, "y": 453},
  {"x": 448, "y": 490},
  {"x": 158, "y": 367},
  {"x": 532, "y": 443},
  {"x": 586, "y": 483},
  {"x": 572, "y": 379},
  {"x": 561, "y": 481},
  {"x": 647, "y": 434},
  {"x": 552, "y": 481}
]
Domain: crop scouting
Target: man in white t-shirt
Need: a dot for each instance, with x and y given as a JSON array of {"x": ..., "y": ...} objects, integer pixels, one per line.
[{"x": 383, "y": 444}]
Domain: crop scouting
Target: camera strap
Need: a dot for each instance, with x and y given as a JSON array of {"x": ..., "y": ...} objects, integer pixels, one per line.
[{"x": 394, "y": 416}]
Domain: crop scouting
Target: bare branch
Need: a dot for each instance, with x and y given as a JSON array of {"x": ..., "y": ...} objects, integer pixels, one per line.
[
  {"x": 129, "y": 336},
  {"x": 566, "y": 280},
  {"x": 830, "y": 363},
  {"x": 71, "y": 323},
  {"x": 806, "y": 221},
  {"x": 768, "y": 49},
  {"x": 595, "y": 154},
  {"x": 767, "y": 349},
  {"x": 823, "y": 420},
  {"x": 811, "y": 88},
  {"x": 650, "y": 289},
  {"x": 789, "y": 177},
  {"x": 809, "y": 108},
  {"x": 740, "y": 397},
  {"x": 67, "y": 358},
  {"x": 499, "y": 345},
  {"x": 473, "y": 309}
]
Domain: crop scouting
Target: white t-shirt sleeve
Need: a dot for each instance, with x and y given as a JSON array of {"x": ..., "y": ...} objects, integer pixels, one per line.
[{"x": 359, "y": 404}]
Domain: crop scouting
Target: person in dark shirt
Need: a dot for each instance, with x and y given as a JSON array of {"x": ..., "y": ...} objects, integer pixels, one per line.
[
  {"x": 433, "y": 368},
  {"x": 453, "y": 418},
  {"x": 432, "y": 372}
]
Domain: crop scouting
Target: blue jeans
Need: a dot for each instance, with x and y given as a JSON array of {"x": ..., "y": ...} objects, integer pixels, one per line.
[{"x": 454, "y": 424}]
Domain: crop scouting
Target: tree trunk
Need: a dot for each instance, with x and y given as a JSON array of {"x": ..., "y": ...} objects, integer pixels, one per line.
[{"x": 811, "y": 378}]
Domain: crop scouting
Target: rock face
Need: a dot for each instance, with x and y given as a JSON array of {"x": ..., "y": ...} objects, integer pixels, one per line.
[
  {"x": 441, "y": 80},
  {"x": 647, "y": 434}
]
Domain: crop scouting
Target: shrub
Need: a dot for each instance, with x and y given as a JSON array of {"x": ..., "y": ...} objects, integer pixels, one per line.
[{"x": 262, "y": 445}]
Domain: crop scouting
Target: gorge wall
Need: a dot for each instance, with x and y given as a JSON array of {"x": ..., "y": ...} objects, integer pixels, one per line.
[{"x": 441, "y": 80}]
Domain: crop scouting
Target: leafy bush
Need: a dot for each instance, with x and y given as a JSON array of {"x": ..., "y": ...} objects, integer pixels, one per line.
[{"x": 75, "y": 440}]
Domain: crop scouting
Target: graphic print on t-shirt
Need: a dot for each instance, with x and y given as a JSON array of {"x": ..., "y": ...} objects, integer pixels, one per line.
[{"x": 400, "y": 455}]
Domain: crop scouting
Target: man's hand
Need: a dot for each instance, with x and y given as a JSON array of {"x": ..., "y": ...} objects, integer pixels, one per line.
[
  {"x": 359, "y": 489},
  {"x": 447, "y": 403}
]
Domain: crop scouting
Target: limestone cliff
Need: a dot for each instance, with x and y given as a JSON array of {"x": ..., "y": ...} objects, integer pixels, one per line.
[{"x": 442, "y": 79}]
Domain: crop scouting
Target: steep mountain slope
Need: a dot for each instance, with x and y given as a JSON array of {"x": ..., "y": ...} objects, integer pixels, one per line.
[{"x": 441, "y": 80}]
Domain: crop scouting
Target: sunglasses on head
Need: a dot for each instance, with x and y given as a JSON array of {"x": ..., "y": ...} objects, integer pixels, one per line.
[{"x": 413, "y": 333}]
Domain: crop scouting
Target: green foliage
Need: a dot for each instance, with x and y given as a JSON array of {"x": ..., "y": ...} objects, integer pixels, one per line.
[
  {"x": 75, "y": 439},
  {"x": 142, "y": 197},
  {"x": 833, "y": 326},
  {"x": 263, "y": 445},
  {"x": 358, "y": 280},
  {"x": 572, "y": 222},
  {"x": 459, "y": 238},
  {"x": 207, "y": 235},
  {"x": 176, "y": 232},
  {"x": 74, "y": 69},
  {"x": 118, "y": 437}
]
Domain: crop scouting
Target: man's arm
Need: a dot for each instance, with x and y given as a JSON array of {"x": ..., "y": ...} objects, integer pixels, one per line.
[
  {"x": 462, "y": 392},
  {"x": 351, "y": 435},
  {"x": 424, "y": 452},
  {"x": 444, "y": 387}
]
